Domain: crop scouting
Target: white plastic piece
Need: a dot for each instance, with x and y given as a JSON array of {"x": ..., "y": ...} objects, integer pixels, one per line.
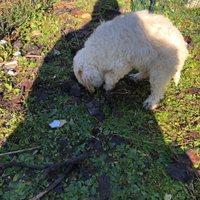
[{"x": 57, "y": 123}]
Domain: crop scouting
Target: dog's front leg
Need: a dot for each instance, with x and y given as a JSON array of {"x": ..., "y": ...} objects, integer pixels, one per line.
[{"x": 110, "y": 81}]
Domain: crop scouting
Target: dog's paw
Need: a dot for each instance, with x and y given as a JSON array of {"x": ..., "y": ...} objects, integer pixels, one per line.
[
  {"x": 149, "y": 105},
  {"x": 108, "y": 87},
  {"x": 134, "y": 77}
]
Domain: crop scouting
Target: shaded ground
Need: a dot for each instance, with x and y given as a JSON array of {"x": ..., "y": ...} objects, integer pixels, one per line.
[{"x": 129, "y": 148}]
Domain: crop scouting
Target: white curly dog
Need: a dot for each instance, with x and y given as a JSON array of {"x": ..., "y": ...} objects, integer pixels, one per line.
[{"x": 147, "y": 42}]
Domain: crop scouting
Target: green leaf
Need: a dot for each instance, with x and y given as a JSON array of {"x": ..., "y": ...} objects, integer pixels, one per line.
[
  {"x": 71, "y": 122},
  {"x": 89, "y": 182},
  {"x": 36, "y": 152},
  {"x": 79, "y": 184},
  {"x": 38, "y": 6},
  {"x": 7, "y": 196},
  {"x": 16, "y": 177},
  {"x": 93, "y": 190},
  {"x": 84, "y": 189},
  {"x": 9, "y": 87}
]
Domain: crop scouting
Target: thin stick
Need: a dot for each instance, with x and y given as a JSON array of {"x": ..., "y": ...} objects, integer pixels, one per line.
[
  {"x": 33, "y": 56},
  {"x": 13, "y": 158},
  {"x": 19, "y": 151},
  {"x": 58, "y": 165},
  {"x": 56, "y": 182},
  {"x": 70, "y": 164},
  {"x": 8, "y": 61},
  {"x": 18, "y": 164},
  {"x": 87, "y": 34}
]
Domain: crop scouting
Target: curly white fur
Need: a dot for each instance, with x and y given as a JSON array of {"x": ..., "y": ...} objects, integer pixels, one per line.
[{"x": 147, "y": 42}]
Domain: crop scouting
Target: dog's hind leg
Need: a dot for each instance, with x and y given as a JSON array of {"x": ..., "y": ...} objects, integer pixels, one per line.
[
  {"x": 139, "y": 76},
  {"x": 158, "y": 81}
]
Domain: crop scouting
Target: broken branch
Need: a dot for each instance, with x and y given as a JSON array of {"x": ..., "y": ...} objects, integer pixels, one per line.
[
  {"x": 56, "y": 182},
  {"x": 58, "y": 165},
  {"x": 70, "y": 164},
  {"x": 50, "y": 167}
]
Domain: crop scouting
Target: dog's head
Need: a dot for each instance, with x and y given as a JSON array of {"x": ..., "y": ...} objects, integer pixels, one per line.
[
  {"x": 83, "y": 73},
  {"x": 87, "y": 71},
  {"x": 84, "y": 77}
]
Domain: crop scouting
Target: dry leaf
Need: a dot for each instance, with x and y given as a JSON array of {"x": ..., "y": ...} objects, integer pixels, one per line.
[
  {"x": 193, "y": 157},
  {"x": 36, "y": 32},
  {"x": 80, "y": 14}
]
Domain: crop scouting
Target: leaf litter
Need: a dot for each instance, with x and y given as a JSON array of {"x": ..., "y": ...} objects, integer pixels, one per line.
[
  {"x": 95, "y": 110},
  {"x": 182, "y": 170}
]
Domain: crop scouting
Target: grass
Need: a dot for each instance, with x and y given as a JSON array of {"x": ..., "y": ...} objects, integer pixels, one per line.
[
  {"x": 131, "y": 147},
  {"x": 13, "y": 12}
]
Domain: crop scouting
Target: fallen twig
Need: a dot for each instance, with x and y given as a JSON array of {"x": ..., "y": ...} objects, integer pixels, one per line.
[
  {"x": 33, "y": 56},
  {"x": 50, "y": 167},
  {"x": 3, "y": 63},
  {"x": 18, "y": 164},
  {"x": 87, "y": 34},
  {"x": 54, "y": 183},
  {"x": 13, "y": 158},
  {"x": 19, "y": 151},
  {"x": 58, "y": 165},
  {"x": 69, "y": 164},
  {"x": 121, "y": 91}
]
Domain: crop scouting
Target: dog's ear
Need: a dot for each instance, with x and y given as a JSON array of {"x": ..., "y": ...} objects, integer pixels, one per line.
[{"x": 86, "y": 79}]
